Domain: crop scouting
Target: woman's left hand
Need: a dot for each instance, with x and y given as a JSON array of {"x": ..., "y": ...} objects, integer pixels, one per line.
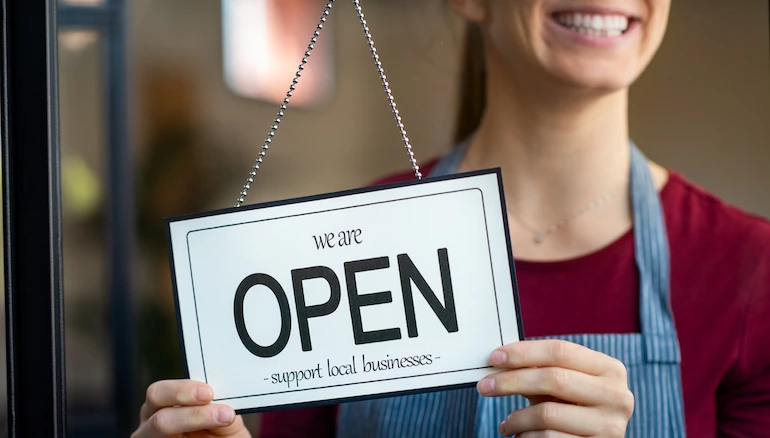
[{"x": 574, "y": 391}]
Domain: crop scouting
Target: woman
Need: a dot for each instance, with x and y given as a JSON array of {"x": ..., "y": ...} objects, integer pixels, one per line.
[{"x": 652, "y": 294}]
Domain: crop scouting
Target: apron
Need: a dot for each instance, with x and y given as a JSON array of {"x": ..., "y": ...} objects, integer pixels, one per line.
[{"x": 652, "y": 357}]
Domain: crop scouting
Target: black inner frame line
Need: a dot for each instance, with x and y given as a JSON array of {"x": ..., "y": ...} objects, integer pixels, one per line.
[{"x": 486, "y": 230}]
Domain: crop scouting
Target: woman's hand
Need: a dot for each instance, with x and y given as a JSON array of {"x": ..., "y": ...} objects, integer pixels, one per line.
[
  {"x": 574, "y": 391},
  {"x": 182, "y": 408}
]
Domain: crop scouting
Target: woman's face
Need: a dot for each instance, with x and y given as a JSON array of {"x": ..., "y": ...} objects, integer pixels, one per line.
[{"x": 593, "y": 44}]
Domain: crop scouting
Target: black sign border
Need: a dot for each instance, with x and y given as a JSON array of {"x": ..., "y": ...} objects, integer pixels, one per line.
[{"x": 495, "y": 171}]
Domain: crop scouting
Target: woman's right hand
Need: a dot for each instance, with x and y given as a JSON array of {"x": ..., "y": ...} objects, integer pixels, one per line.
[{"x": 173, "y": 408}]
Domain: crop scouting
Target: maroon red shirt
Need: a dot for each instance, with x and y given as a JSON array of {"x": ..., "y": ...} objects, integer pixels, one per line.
[{"x": 720, "y": 294}]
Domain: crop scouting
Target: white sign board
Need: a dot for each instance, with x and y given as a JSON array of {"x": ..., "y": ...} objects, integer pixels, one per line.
[{"x": 368, "y": 293}]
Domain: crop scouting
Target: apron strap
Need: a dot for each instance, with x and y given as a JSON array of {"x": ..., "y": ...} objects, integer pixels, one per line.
[{"x": 653, "y": 261}]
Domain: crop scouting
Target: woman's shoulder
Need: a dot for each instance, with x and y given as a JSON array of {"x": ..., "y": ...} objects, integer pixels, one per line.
[
  {"x": 701, "y": 213},
  {"x": 723, "y": 246}
]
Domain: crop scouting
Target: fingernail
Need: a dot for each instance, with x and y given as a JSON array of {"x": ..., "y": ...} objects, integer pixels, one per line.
[
  {"x": 501, "y": 428},
  {"x": 225, "y": 415},
  {"x": 487, "y": 385},
  {"x": 203, "y": 393},
  {"x": 498, "y": 357}
]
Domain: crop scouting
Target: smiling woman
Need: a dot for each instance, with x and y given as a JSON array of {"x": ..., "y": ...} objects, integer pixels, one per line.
[
  {"x": 644, "y": 297},
  {"x": 544, "y": 96}
]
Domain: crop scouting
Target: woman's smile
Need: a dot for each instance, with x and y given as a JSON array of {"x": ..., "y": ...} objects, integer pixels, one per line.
[{"x": 595, "y": 27}]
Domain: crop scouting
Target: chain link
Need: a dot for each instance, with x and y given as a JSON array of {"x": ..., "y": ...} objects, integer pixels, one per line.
[
  {"x": 388, "y": 92},
  {"x": 293, "y": 86}
]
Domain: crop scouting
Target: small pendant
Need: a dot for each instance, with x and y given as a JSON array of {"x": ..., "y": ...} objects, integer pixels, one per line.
[{"x": 539, "y": 238}]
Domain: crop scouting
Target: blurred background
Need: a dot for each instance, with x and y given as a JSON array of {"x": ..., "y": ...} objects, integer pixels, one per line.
[{"x": 164, "y": 105}]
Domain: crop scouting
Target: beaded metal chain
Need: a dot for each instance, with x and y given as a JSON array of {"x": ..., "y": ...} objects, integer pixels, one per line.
[{"x": 293, "y": 86}]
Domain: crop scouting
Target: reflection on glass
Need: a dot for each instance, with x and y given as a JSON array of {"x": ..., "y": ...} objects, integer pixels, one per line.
[
  {"x": 264, "y": 43},
  {"x": 83, "y": 187},
  {"x": 83, "y": 2}
]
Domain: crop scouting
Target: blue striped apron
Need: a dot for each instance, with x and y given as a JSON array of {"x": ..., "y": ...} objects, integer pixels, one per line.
[{"x": 652, "y": 357}]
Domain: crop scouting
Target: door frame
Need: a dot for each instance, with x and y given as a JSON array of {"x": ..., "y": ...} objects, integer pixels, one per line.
[{"x": 32, "y": 220}]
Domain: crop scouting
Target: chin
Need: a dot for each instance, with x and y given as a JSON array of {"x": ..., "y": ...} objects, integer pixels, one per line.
[
  {"x": 596, "y": 82},
  {"x": 606, "y": 77}
]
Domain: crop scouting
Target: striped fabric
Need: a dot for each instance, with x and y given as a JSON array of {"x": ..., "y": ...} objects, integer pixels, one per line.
[{"x": 652, "y": 356}]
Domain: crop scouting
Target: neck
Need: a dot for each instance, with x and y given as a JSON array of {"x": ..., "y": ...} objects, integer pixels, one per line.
[{"x": 558, "y": 153}]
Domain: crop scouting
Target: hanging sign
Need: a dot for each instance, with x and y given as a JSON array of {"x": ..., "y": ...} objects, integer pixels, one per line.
[{"x": 374, "y": 292}]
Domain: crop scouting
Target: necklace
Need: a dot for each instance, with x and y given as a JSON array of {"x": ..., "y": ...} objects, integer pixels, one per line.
[{"x": 541, "y": 234}]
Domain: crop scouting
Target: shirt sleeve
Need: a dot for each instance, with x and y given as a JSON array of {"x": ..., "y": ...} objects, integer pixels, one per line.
[
  {"x": 743, "y": 400},
  {"x": 319, "y": 422}
]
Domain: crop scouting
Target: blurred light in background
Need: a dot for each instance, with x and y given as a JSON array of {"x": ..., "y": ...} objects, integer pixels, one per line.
[
  {"x": 77, "y": 40},
  {"x": 264, "y": 42},
  {"x": 81, "y": 188}
]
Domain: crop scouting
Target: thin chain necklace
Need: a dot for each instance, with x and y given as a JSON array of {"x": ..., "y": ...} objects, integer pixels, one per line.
[{"x": 541, "y": 234}]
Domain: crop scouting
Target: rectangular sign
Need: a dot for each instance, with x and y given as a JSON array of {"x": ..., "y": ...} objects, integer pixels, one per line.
[{"x": 374, "y": 292}]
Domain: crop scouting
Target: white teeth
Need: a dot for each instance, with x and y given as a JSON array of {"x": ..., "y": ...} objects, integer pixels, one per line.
[
  {"x": 577, "y": 19},
  {"x": 594, "y": 25},
  {"x": 597, "y": 22}
]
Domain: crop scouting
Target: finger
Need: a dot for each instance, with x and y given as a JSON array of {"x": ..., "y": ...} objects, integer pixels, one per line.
[
  {"x": 168, "y": 422},
  {"x": 577, "y": 420},
  {"x": 549, "y": 353},
  {"x": 546, "y": 434},
  {"x": 230, "y": 431},
  {"x": 561, "y": 383},
  {"x": 167, "y": 393}
]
